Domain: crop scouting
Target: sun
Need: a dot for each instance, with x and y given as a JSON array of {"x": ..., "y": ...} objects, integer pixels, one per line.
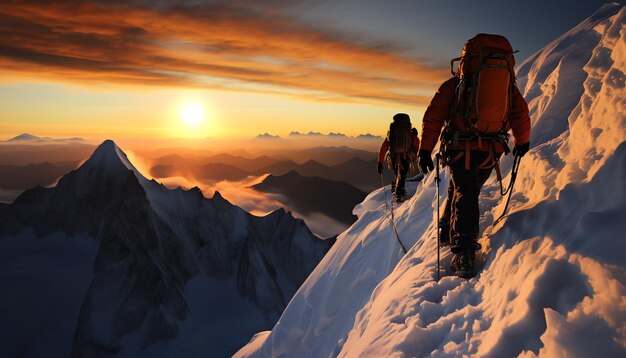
[
  {"x": 192, "y": 114},
  {"x": 193, "y": 117}
]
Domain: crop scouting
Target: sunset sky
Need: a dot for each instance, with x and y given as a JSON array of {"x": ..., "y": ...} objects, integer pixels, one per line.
[{"x": 159, "y": 69}]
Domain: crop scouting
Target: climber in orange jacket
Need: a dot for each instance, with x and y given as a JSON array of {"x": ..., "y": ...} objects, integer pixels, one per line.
[
  {"x": 476, "y": 108},
  {"x": 399, "y": 157}
]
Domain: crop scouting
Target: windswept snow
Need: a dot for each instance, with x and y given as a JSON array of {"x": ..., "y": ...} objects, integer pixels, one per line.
[
  {"x": 553, "y": 277},
  {"x": 538, "y": 270}
]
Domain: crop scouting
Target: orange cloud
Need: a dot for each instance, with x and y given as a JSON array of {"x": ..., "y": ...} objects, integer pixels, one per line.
[{"x": 243, "y": 46}]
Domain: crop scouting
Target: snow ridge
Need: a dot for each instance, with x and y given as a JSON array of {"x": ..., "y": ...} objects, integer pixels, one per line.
[{"x": 553, "y": 276}]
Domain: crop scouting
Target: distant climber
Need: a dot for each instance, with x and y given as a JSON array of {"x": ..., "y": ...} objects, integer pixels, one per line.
[
  {"x": 476, "y": 108},
  {"x": 400, "y": 149}
]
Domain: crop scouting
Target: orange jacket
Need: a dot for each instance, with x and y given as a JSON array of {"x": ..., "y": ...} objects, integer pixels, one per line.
[
  {"x": 439, "y": 111},
  {"x": 385, "y": 147}
]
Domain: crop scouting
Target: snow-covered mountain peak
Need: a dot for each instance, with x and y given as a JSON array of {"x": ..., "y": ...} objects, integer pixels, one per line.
[
  {"x": 110, "y": 157},
  {"x": 162, "y": 267}
]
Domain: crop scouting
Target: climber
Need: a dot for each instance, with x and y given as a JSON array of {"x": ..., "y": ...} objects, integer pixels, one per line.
[
  {"x": 400, "y": 148},
  {"x": 476, "y": 108}
]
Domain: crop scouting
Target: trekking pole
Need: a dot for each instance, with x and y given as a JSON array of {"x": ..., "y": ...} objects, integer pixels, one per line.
[
  {"x": 516, "y": 160},
  {"x": 437, "y": 180}
]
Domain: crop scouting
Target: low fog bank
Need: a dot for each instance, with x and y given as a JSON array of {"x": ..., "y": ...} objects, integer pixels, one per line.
[{"x": 257, "y": 203}]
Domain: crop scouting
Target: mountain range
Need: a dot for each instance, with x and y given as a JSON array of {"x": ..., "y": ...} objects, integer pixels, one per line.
[
  {"x": 130, "y": 268},
  {"x": 22, "y": 153},
  {"x": 30, "y": 175},
  {"x": 355, "y": 171},
  {"x": 26, "y": 137}
]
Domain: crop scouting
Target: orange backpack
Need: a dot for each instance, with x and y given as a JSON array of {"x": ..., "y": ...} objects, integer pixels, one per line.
[
  {"x": 487, "y": 79},
  {"x": 400, "y": 135}
]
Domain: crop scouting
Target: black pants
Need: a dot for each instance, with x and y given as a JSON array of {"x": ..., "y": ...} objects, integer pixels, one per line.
[
  {"x": 461, "y": 210},
  {"x": 444, "y": 219},
  {"x": 400, "y": 165}
]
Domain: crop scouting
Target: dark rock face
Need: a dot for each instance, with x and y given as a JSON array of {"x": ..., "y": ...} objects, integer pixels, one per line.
[
  {"x": 311, "y": 194},
  {"x": 152, "y": 241}
]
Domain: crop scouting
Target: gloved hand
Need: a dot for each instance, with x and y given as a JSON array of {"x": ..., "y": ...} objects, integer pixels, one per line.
[
  {"x": 380, "y": 168},
  {"x": 426, "y": 162},
  {"x": 521, "y": 149}
]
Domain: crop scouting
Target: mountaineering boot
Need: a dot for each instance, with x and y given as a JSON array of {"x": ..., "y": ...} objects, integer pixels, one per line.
[
  {"x": 400, "y": 195},
  {"x": 464, "y": 250},
  {"x": 463, "y": 265}
]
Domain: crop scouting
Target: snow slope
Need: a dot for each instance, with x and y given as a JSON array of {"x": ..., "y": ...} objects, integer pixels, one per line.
[
  {"x": 553, "y": 278},
  {"x": 109, "y": 263}
]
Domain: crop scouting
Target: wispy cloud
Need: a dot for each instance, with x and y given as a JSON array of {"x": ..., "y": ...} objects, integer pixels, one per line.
[{"x": 233, "y": 45}]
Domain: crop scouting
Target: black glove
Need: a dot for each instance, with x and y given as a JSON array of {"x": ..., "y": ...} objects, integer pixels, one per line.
[
  {"x": 380, "y": 168},
  {"x": 426, "y": 162},
  {"x": 521, "y": 149}
]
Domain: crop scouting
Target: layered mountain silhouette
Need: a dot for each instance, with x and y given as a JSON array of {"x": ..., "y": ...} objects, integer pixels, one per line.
[
  {"x": 26, "y": 152},
  {"x": 217, "y": 167},
  {"x": 326, "y": 155},
  {"x": 306, "y": 195},
  {"x": 26, "y": 137},
  {"x": 355, "y": 171},
  {"x": 208, "y": 172},
  {"x": 30, "y": 175},
  {"x": 140, "y": 269},
  {"x": 246, "y": 164},
  {"x": 309, "y": 168},
  {"x": 358, "y": 168}
]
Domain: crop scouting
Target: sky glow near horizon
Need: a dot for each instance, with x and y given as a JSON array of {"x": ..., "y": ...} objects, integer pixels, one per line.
[{"x": 128, "y": 69}]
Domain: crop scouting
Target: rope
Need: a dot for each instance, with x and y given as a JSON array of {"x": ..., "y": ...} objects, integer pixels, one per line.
[
  {"x": 516, "y": 161},
  {"x": 392, "y": 218},
  {"x": 515, "y": 167}
]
